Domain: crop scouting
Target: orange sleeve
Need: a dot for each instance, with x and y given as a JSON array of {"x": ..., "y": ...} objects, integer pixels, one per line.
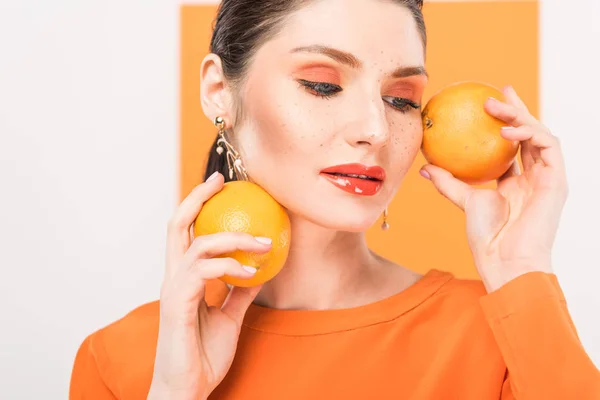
[
  {"x": 86, "y": 380},
  {"x": 538, "y": 341}
]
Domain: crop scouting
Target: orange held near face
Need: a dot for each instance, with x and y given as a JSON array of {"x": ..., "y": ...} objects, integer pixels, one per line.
[
  {"x": 462, "y": 138},
  {"x": 243, "y": 206}
]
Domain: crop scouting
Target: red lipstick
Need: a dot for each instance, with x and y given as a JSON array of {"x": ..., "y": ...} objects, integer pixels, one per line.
[{"x": 355, "y": 178}]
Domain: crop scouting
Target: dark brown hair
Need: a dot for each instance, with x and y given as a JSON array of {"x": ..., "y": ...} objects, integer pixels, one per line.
[{"x": 242, "y": 26}]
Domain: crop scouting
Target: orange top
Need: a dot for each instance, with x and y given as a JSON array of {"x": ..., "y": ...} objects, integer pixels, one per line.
[{"x": 442, "y": 338}]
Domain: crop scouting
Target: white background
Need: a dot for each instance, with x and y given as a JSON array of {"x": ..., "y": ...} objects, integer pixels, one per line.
[{"x": 88, "y": 170}]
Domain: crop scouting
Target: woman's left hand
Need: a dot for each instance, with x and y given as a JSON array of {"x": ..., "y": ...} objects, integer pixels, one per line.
[{"x": 511, "y": 229}]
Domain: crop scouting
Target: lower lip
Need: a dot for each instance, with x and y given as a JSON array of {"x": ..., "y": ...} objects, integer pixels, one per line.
[{"x": 360, "y": 187}]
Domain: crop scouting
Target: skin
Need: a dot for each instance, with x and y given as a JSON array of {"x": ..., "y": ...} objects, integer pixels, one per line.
[
  {"x": 286, "y": 135},
  {"x": 289, "y": 134}
]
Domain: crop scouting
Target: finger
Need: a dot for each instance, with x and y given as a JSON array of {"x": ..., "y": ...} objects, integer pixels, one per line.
[
  {"x": 541, "y": 140},
  {"x": 509, "y": 113},
  {"x": 512, "y": 171},
  {"x": 513, "y": 98},
  {"x": 216, "y": 268},
  {"x": 528, "y": 155},
  {"x": 237, "y": 302},
  {"x": 190, "y": 282},
  {"x": 208, "y": 246},
  {"x": 182, "y": 294},
  {"x": 453, "y": 189},
  {"x": 178, "y": 233}
]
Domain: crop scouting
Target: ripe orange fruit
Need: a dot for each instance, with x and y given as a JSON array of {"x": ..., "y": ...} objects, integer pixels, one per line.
[
  {"x": 243, "y": 206},
  {"x": 461, "y": 137}
]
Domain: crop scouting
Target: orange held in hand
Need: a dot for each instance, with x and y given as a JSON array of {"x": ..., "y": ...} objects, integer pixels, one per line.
[
  {"x": 462, "y": 138},
  {"x": 243, "y": 206}
]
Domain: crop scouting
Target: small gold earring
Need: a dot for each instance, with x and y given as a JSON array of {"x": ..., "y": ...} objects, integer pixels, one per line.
[
  {"x": 234, "y": 161},
  {"x": 384, "y": 225}
]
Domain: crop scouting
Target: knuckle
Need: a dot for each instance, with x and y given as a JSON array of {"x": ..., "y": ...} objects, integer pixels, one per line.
[
  {"x": 546, "y": 131},
  {"x": 231, "y": 263},
  {"x": 512, "y": 113},
  {"x": 204, "y": 247},
  {"x": 198, "y": 268},
  {"x": 174, "y": 224},
  {"x": 199, "y": 240},
  {"x": 235, "y": 238},
  {"x": 171, "y": 224},
  {"x": 241, "y": 236},
  {"x": 232, "y": 234},
  {"x": 198, "y": 246},
  {"x": 225, "y": 264},
  {"x": 512, "y": 118}
]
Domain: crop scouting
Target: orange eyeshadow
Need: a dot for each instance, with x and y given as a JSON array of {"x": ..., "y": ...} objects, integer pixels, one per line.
[
  {"x": 400, "y": 90},
  {"x": 319, "y": 74}
]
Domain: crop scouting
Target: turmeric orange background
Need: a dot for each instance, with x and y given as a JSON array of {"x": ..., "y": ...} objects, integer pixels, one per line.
[{"x": 491, "y": 41}]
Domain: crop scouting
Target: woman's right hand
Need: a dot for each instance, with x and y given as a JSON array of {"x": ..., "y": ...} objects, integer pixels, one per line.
[{"x": 197, "y": 343}]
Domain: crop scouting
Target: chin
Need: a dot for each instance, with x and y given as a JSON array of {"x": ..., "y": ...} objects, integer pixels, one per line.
[{"x": 340, "y": 218}]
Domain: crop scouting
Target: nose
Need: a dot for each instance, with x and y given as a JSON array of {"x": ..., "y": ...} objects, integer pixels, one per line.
[{"x": 370, "y": 126}]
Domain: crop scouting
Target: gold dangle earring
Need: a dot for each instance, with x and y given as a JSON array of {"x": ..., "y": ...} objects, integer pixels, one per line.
[
  {"x": 234, "y": 161},
  {"x": 384, "y": 225}
]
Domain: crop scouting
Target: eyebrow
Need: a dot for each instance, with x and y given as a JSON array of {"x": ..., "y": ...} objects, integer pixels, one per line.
[{"x": 352, "y": 61}]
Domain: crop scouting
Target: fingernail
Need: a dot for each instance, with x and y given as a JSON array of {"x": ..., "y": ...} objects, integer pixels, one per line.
[
  {"x": 249, "y": 269},
  {"x": 493, "y": 99},
  {"x": 213, "y": 176},
  {"x": 263, "y": 240},
  {"x": 425, "y": 174}
]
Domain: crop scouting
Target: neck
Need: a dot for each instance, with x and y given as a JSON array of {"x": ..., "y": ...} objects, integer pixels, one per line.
[{"x": 325, "y": 269}]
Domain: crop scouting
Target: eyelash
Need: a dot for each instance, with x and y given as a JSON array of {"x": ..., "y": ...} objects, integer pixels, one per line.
[{"x": 328, "y": 90}]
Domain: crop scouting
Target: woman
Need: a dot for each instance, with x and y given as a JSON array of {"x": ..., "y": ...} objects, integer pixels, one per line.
[{"x": 302, "y": 89}]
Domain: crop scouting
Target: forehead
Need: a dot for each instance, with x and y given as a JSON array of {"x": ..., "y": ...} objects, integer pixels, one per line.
[{"x": 379, "y": 32}]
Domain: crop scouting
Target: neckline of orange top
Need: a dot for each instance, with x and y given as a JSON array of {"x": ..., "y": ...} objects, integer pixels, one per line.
[{"x": 323, "y": 322}]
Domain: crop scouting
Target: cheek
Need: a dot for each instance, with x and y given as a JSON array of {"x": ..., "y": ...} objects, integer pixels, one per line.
[
  {"x": 275, "y": 128},
  {"x": 269, "y": 124},
  {"x": 405, "y": 142}
]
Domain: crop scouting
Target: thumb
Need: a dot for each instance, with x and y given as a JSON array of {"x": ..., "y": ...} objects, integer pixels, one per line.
[
  {"x": 238, "y": 300},
  {"x": 453, "y": 189}
]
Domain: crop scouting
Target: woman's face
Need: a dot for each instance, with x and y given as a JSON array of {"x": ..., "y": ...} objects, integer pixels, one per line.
[{"x": 331, "y": 110}]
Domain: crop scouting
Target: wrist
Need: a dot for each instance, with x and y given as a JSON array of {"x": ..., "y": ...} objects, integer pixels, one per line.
[{"x": 497, "y": 274}]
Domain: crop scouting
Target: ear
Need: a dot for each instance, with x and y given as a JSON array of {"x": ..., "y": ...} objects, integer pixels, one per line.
[{"x": 215, "y": 96}]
